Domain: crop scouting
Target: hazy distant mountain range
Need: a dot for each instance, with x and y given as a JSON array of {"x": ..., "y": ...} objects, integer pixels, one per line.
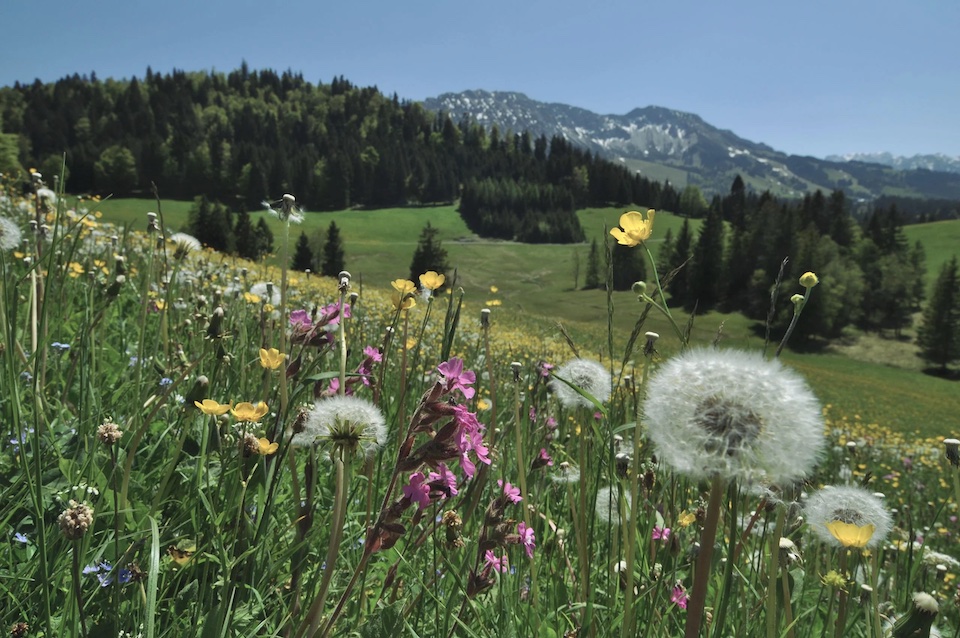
[
  {"x": 934, "y": 162},
  {"x": 666, "y": 144}
]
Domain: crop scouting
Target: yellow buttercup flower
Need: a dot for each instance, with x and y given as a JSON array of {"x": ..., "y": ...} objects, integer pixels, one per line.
[
  {"x": 248, "y": 412},
  {"x": 633, "y": 228},
  {"x": 809, "y": 280},
  {"x": 209, "y": 406},
  {"x": 403, "y": 297},
  {"x": 271, "y": 359},
  {"x": 851, "y": 535},
  {"x": 249, "y": 297},
  {"x": 266, "y": 447},
  {"x": 431, "y": 280},
  {"x": 686, "y": 519}
]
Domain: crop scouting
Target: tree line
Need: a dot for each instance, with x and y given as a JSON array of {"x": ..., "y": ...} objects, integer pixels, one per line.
[{"x": 243, "y": 137}]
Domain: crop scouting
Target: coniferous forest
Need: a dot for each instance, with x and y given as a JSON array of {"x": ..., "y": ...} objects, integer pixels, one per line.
[{"x": 243, "y": 137}]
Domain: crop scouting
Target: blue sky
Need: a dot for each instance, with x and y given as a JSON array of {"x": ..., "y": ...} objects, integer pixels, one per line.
[{"x": 808, "y": 77}]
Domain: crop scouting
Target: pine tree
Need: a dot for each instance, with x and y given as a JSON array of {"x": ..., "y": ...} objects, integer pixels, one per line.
[
  {"x": 333, "y": 253},
  {"x": 628, "y": 266},
  {"x": 245, "y": 242},
  {"x": 264, "y": 238},
  {"x": 707, "y": 267},
  {"x": 592, "y": 279},
  {"x": 939, "y": 335},
  {"x": 680, "y": 259},
  {"x": 429, "y": 255},
  {"x": 303, "y": 256}
]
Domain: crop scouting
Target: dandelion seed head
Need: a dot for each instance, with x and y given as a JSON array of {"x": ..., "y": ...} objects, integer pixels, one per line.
[
  {"x": 734, "y": 415},
  {"x": 850, "y": 505},
  {"x": 590, "y": 376},
  {"x": 10, "y": 235},
  {"x": 608, "y": 504},
  {"x": 348, "y": 422}
]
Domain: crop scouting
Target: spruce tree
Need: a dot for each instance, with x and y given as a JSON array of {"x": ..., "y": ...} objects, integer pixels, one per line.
[
  {"x": 939, "y": 335},
  {"x": 705, "y": 275},
  {"x": 264, "y": 238},
  {"x": 680, "y": 258},
  {"x": 245, "y": 242},
  {"x": 429, "y": 255},
  {"x": 333, "y": 253},
  {"x": 592, "y": 279},
  {"x": 302, "y": 256}
]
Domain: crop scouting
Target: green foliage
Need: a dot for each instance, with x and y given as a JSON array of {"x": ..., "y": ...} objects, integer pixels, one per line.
[
  {"x": 333, "y": 253},
  {"x": 302, "y": 256},
  {"x": 9, "y": 155},
  {"x": 592, "y": 278},
  {"x": 939, "y": 334},
  {"x": 429, "y": 254},
  {"x": 116, "y": 171}
]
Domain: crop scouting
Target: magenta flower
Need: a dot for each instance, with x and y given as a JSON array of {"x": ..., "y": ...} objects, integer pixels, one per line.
[
  {"x": 545, "y": 368},
  {"x": 512, "y": 493},
  {"x": 498, "y": 564},
  {"x": 545, "y": 458},
  {"x": 300, "y": 319},
  {"x": 469, "y": 439},
  {"x": 661, "y": 533},
  {"x": 679, "y": 596},
  {"x": 373, "y": 353},
  {"x": 551, "y": 423},
  {"x": 444, "y": 481},
  {"x": 533, "y": 414},
  {"x": 456, "y": 378},
  {"x": 417, "y": 490},
  {"x": 527, "y": 538}
]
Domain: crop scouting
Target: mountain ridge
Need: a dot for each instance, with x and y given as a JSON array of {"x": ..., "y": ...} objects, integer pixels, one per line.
[{"x": 663, "y": 143}]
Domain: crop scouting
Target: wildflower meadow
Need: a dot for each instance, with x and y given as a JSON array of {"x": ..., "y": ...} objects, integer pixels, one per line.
[{"x": 195, "y": 445}]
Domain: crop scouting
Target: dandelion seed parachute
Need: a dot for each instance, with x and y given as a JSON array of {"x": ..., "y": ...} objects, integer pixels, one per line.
[
  {"x": 734, "y": 415},
  {"x": 589, "y": 376},
  {"x": 346, "y": 421}
]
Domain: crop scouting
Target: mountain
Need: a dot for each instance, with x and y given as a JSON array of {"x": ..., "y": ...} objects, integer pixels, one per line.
[
  {"x": 932, "y": 162},
  {"x": 663, "y": 143}
]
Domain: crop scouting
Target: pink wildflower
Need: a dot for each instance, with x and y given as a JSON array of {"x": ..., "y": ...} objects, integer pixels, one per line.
[
  {"x": 661, "y": 533},
  {"x": 444, "y": 481},
  {"x": 512, "y": 493},
  {"x": 679, "y": 596},
  {"x": 527, "y": 538},
  {"x": 417, "y": 490},
  {"x": 373, "y": 353},
  {"x": 498, "y": 564},
  {"x": 300, "y": 319},
  {"x": 456, "y": 378},
  {"x": 470, "y": 439}
]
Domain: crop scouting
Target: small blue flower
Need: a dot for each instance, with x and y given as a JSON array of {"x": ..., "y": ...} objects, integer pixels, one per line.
[
  {"x": 26, "y": 376},
  {"x": 124, "y": 576},
  {"x": 62, "y": 347},
  {"x": 164, "y": 382},
  {"x": 21, "y": 538},
  {"x": 133, "y": 361}
]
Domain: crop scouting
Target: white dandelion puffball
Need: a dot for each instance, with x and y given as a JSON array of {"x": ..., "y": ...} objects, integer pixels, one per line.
[
  {"x": 608, "y": 504},
  {"x": 733, "y": 415},
  {"x": 344, "y": 421},
  {"x": 846, "y": 504},
  {"x": 9, "y": 234},
  {"x": 186, "y": 243},
  {"x": 590, "y": 376},
  {"x": 267, "y": 291}
]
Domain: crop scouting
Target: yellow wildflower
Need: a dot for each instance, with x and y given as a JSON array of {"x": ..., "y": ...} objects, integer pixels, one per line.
[
  {"x": 635, "y": 228},
  {"x": 271, "y": 359},
  {"x": 851, "y": 535},
  {"x": 809, "y": 280},
  {"x": 403, "y": 297},
  {"x": 246, "y": 411},
  {"x": 249, "y": 297},
  {"x": 834, "y": 579},
  {"x": 494, "y": 289},
  {"x": 266, "y": 447},
  {"x": 431, "y": 280},
  {"x": 209, "y": 406},
  {"x": 686, "y": 519}
]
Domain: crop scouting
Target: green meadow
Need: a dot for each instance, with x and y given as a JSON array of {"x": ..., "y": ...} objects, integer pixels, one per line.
[{"x": 537, "y": 282}]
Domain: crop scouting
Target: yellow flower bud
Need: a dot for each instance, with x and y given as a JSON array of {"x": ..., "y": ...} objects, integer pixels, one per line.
[{"x": 809, "y": 280}]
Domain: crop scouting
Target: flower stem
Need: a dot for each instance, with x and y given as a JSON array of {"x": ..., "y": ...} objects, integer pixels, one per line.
[
  {"x": 315, "y": 614},
  {"x": 698, "y": 597},
  {"x": 773, "y": 563}
]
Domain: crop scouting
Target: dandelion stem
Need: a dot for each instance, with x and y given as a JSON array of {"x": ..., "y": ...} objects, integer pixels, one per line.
[
  {"x": 698, "y": 597},
  {"x": 315, "y": 614},
  {"x": 842, "y": 603},
  {"x": 787, "y": 607},
  {"x": 773, "y": 563}
]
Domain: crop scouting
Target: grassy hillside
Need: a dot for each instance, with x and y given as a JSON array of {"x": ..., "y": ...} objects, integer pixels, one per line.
[
  {"x": 941, "y": 241},
  {"x": 538, "y": 280}
]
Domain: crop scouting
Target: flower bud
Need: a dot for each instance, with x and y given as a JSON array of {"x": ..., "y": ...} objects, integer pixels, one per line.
[{"x": 809, "y": 280}]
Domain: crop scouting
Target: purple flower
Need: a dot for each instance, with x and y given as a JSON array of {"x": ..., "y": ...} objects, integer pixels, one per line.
[
  {"x": 373, "y": 353},
  {"x": 512, "y": 493},
  {"x": 661, "y": 533},
  {"x": 545, "y": 368},
  {"x": 527, "y": 538},
  {"x": 444, "y": 481},
  {"x": 469, "y": 439},
  {"x": 498, "y": 564},
  {"x": 456, "y": 378},
  {"x": 300, "y": 319},
  {"x": 679, "y": 596},
  {"x": 417, "y": 490}
]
